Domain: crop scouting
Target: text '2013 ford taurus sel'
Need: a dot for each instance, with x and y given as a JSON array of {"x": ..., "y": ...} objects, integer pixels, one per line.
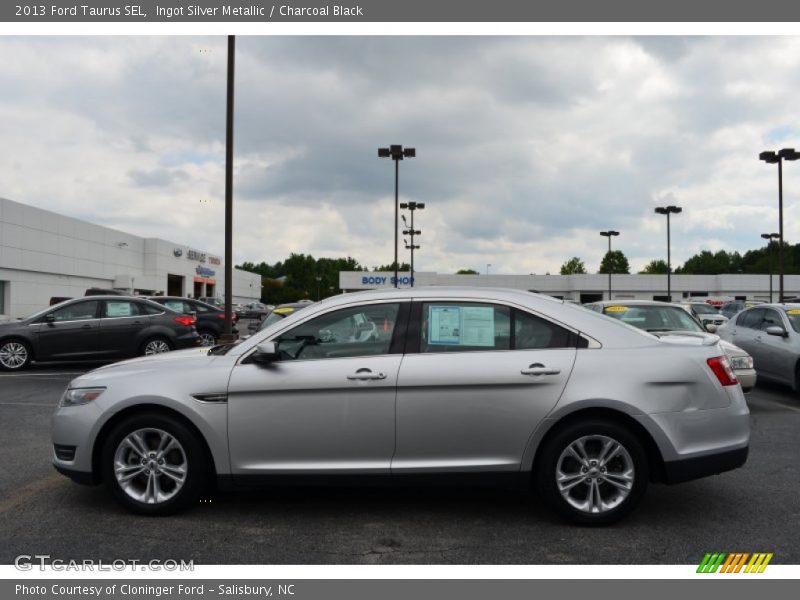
[{"x": 428, "y": 381}]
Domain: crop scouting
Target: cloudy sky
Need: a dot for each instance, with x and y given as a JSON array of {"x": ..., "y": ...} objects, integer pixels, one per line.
[{"x": 526, "y": 146}]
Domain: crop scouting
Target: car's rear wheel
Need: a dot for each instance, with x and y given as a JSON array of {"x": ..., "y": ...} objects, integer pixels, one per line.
[
  {"x": 15, "y": 355},
  {"x": 155, "y": 345},
  {"x": 592, "y": 472},
  {"x": 154, "y": 464},
  {"x": 207, "y": 338}
]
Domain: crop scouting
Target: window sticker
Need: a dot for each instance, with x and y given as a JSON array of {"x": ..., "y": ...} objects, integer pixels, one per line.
[
  {"x": 461, "y": 326},
  {"x": 118, "y": 309},
  {"x": 616, "y": 309},
  {"x": 174, "y": 305},
  {"x": 793, "y": 311}
]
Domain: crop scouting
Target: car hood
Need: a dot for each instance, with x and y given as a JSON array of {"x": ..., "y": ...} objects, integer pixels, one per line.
[{"x": 192, "y": 358}]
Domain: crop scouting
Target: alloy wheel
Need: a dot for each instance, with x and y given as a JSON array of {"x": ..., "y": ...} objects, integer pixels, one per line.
[
  {"x": 156, "y": 347},
  {"x": 150, "y": 465},
  {"x": 13, "y": 355},
  {"x": 595, "y": 474}
]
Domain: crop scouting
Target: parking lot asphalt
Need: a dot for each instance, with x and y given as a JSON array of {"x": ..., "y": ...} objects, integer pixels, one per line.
[{"x": 752, "y": 509}]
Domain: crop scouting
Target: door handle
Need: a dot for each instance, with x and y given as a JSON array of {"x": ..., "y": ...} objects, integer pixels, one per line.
[
  {"x": 365, "y": 375},
  {"x": 86, "y": 326},
  {"x": 537, "y": 369}
]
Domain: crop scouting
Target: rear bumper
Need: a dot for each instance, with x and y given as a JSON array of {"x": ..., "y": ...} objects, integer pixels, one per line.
[{"x": 677, "y": 471}]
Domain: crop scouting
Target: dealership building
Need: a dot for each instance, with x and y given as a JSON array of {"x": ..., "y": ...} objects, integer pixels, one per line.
[
  {"x": 46, "y": 255},
  {"x": 591, "y": 288}
]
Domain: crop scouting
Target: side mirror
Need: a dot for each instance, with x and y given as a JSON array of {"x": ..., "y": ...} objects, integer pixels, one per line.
[
  {"x": 776, "y": 330},
  {"x": 266, "y": 353},
  {"x": 711, "y": 327}
]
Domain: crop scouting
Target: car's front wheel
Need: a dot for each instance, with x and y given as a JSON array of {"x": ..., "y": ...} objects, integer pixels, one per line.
[
  {"x": 592, "y": 472},
  {"x": 154, "y": 464},
  {"x": 15, "y": 355}
]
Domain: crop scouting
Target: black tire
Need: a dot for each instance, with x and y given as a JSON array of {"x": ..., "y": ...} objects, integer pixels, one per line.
[
  {"x": 196, "y": 479},
  {"x": 15, "y": 355},
  {"x": 158, "y": 340},
  {"x": 594, "y": 433}
]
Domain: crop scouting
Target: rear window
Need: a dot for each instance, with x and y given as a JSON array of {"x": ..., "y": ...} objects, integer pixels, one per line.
[{"x": 654, "y": 318}]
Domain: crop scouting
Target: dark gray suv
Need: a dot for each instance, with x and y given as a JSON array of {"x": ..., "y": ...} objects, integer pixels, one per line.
[{"x": 95, "y": 328}]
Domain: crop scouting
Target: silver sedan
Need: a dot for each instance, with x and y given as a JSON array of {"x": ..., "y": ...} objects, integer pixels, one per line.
[
  {"x": 770, "y": 333},
  {"x": 428, "y": 382}
]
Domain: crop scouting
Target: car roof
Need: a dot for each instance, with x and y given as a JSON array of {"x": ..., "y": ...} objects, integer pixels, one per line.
[{"x": 634, "y": 303}]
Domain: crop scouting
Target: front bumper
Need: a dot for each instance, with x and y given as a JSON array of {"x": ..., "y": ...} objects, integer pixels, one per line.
[{"x": 677, "y": 471}]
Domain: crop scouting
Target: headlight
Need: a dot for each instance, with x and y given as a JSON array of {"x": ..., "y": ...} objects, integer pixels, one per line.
[
  {"x": 741, "y": 362},
  {"x": 76, "y": 396}
]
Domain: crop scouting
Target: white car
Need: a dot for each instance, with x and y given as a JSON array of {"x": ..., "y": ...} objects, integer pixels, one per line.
[{"x": 708, "y": 316}]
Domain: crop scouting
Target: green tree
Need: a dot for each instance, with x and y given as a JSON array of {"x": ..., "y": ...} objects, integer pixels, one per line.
[
  {"x": 390, "y": 267},
  {"x": 574, "y": 266},
  {"x": 615, "y": 262},
  {"x": 655, "y": 267},
  {"x": 467, "y": 272}
]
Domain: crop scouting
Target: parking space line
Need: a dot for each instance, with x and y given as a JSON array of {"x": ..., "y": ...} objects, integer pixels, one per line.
[{"x": 27, "y": 492}]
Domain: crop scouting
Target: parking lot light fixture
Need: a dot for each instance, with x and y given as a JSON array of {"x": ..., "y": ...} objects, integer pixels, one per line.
[
  {"x": 411, "y": 232},
  {"x": 487, "y": 267},
  {"x": 397, "y": 153},
  {"x": 769, "y": 237},
  {"x": 609, "y": 234},
  {"x": 771, "y": 157},
  {"x": 668, "y": 210}
]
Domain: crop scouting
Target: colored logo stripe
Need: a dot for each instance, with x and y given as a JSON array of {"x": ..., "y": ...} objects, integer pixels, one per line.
[{"x": 734, "y": 562}]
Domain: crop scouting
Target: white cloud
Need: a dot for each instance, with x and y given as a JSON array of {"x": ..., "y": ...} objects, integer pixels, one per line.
[{"x": 527, "y": 147}]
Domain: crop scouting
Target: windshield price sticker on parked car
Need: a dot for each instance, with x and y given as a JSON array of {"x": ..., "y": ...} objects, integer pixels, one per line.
[
  {"x": 793, "y": 311},
  {"x": 461, "y": 326},
  {"x": 616, "y": 309}
]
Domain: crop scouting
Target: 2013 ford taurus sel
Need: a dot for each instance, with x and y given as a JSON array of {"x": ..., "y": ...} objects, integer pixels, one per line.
[{"x": 428, "y": 381}]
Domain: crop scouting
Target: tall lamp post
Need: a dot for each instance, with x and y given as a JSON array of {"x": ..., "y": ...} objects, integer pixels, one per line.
[
  {"x": 668, "y": 210},
  {"x": 769, "y": 237},
  {"x": 487, "y": 267},
  {"x": 411, "y": 232},
  {"x": 609, "y": 234},
  {"x": 771, "y": 157},
  {"x": 228, "y": 336},
  {"x": 397, "y": 153}
]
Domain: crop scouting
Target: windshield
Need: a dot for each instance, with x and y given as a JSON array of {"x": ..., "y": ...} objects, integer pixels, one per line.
[
  {"x": 655, "y": 318},
  {"x": 794, "y": 318},
  {"x": 704, "y": 309},
  {"x": 274, "y": 317}
]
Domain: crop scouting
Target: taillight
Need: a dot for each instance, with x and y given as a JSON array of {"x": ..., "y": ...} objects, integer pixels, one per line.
[
  {"x": 186, "y": 320},
  {"x": 233, "y": 316},
  {"x": 722, "y": 369}
]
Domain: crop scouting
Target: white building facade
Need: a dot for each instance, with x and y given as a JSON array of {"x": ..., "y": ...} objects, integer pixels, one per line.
[
  {"x": 591, "y": 288},
  {"x": 46, "y": 255}
]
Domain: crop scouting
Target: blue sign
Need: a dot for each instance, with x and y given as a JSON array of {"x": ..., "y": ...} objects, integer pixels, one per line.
[
  {"x": 204, "y": 271},
  {"x": 382, "y": 280}
]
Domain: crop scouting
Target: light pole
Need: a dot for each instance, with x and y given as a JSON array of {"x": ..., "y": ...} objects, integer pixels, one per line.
[
  {"x": 410, "y": 231},
  {"x": 487, "y": 267},
  {"x": 668, "y": 210},
  {"x": 319, "y": 279},
  {"x": 771, "y": 157},
  {"x": 769, "y": 237},
  {"x": 228, "y": 336},
  {"x": 397, "y": 153},
  {"x": 609, "y": 234}
]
